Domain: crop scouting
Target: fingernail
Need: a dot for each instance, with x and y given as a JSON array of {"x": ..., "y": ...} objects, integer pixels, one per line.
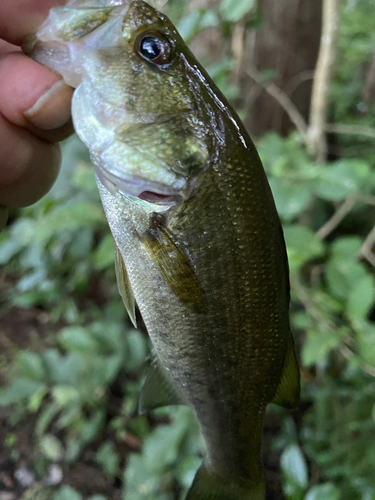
[{"x": 52, "y": 109}]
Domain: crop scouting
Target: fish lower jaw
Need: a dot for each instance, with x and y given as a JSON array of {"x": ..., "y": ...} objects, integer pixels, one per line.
[
  {"x": 150, "y": 192},
  {"x": 160, "y": 199}
]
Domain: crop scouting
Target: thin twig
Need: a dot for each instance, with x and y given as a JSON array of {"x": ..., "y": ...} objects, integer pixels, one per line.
[
  {"x": 328, "y": 324},
  {"x": 348, "y": 354},
  {"x": 238, "y": 46},
  {"x": 337, "y": 217},
  {"x": 366, "y": 250},
  {"x": 316, "y": 140},
  {"x": 282, "y": 98},
  {"x": 368, "y": 199},
  {"x": 310, "y": 306},
  {"x": 369, "y": 90},
  {"x": 341, "y": 128},
  {"x": 297, "y": 80}
]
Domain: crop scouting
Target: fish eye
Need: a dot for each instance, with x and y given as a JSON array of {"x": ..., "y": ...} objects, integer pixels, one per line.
[{"x": 154, "y": 47}]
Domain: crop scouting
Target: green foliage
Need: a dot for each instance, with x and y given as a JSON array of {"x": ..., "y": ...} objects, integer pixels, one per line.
[
  {"x": 231, "y": 10},
  {"x": 81, "y": 381},
  {"x": 169, "y": 451},
  {"x": 294, "y": 468},
  {"x": 67, "y": 493},
  {"x": 333, "y": 298}
]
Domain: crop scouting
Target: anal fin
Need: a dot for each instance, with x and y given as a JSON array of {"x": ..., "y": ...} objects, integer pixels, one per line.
[
  {"x": 287, "y": 394},
  {"x": 124, "y": 285},
  {"x": 157, "y": 390}
]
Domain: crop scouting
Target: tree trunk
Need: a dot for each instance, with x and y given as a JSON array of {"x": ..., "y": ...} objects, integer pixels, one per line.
[{"x": 287, "y": 45}]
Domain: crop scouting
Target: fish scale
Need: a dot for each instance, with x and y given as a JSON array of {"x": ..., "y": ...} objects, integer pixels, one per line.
[{"x": 199, "y": 245}]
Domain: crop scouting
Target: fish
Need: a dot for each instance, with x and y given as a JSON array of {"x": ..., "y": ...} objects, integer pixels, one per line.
[{"x": 199, "y": 245}]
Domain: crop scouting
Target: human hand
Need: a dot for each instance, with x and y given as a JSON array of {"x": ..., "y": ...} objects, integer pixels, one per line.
[{"x": 34, "y": 110}]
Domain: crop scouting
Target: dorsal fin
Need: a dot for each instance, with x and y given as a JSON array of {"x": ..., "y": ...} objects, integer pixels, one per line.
[
  {"x": 157, "y": 389},
  {"x": 287, "y": 393},
  {"x": 124, "y": 285}
]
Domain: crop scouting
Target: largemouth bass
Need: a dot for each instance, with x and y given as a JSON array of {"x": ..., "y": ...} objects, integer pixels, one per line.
[{"x": 199, "y": 245}]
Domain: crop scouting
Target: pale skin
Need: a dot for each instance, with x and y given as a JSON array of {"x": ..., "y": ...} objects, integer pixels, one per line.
[{"x": 34, "y": 110}]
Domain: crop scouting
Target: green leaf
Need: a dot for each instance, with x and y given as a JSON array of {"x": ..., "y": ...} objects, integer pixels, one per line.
[
  {"x": 342, "y": 179},
  {"x": 45, "y": 418},
  {"x": 65, "y": 394},
  {"x": 346, "y": 247},
  {"x": 31, "y": 280},
  {"x": 67, "y": 493},
  {"x": 161, "y": 448},
  {"x": 62, "y": 369},
  {"x": 361, "y": 298},
  {"x": 137, "y": 350},
  {"x": 83, "y": 177},
  {"x": 20, "y": 389},
  {"x": 302, "y": 245},
  {"x": 327, "y": 491},
  {"x": 107, "y": 368},
  {"x": 294, "y": 469},
  {"x": 108, "y": 458},
  {"x": 140, "y": 483},
  {"x": 74, "y": 449},
  {"x": 209, "y": 18},
  {"x": 31, "y": 365},
  {"x": 301, "y": 320},
  {"x": 233, "y": 10},
  {"x": 36, "y": 399},
  {"x": 22, "y": 231},
  {"x": 8, "y": 249},
  {"x": 319, "y": 344},
  {"x": 366, "y": 341},
  {"x": 78, "y": 339},
  {"x": 291, "y": 199},
  {"x": 195, "y": 22},
  {"x": 51, "y": 447},
  {"x": 342, "y": 274},
  {"x": 187, "y": 469},
  {"x": 111, "y": 335},
  {"x": 104, "y": 255},
  {"x": 93, "y": 426},
  {"x": 68, "y": 217},
  {"x": 71, "y": 416}
]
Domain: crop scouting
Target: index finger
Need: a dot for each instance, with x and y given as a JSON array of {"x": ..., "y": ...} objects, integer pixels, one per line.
[{"x": 21, "y": 17}]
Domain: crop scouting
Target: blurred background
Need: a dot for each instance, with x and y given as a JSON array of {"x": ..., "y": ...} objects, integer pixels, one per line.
[{"x": 301, "y": 74}]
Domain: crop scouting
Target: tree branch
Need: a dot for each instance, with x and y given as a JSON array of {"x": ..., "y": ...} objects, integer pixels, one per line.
[
  {"x": 348, "y": 354},
  {"x": 316, "y": 140},
  {"x": 366, "y": 250},
  {"x": 341, "y": 128},
  {"x": 337, "y": 217},
  {"x": 369, "y": 90},
  {"x": 282, "y": 98}
]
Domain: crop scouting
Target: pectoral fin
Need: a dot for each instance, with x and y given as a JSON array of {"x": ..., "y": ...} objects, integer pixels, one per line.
[
  {"x": 124, "y": 285},
  {"x": 157, "y": 389},
  {"x": 176, "y": 268},
  {"x": 287, "y": 393}
]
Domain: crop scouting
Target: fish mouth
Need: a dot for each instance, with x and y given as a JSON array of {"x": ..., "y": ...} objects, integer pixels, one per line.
[
  {"x": 136, "y": 187},
  {"x": 160, "y": 199}
]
